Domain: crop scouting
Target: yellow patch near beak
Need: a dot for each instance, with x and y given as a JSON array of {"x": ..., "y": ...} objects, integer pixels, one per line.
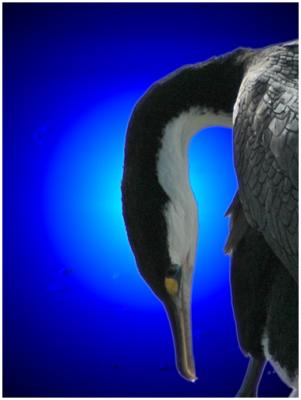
[{"x": 171, "y": 286}]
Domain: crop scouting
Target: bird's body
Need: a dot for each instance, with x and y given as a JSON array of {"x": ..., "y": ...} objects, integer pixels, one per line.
[
  {"x": 266, "y": 157},
  {"x": 161, "y": 214}
]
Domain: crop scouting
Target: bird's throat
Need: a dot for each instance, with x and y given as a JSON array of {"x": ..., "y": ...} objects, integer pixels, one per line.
[{"x": 173, "y": 175}]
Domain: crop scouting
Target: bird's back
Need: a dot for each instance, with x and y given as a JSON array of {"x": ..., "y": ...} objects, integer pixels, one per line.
[{"x": 266, "y": 149}]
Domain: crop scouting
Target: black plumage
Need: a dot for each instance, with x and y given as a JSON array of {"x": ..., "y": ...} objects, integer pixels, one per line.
[{"x": 264, "y": 296}]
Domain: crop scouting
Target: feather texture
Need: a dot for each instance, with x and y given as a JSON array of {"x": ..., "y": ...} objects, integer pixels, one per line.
[{"x": 266, "y": 150}]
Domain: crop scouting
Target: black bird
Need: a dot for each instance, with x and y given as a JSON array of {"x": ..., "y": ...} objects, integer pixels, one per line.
[{"x": 256, "y": 92}]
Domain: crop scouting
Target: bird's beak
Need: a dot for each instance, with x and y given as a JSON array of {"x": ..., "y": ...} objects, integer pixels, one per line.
[{"x": 178, "y": 310}]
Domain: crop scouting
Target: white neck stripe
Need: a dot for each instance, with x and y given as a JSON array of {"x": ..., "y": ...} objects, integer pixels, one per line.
[{"x": 172, "y": 170}]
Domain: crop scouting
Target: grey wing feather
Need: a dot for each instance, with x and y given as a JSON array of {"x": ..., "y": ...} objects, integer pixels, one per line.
[
  {"x": 266, "y": 155},
  {"x": 239, "y": 226}
]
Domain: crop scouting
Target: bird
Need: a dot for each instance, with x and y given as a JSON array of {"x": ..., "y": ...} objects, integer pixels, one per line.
[{"x": 254, "y": 92}]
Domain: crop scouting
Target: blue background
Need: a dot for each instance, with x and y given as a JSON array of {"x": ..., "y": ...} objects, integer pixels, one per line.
[{"x": 78, "y": 319}]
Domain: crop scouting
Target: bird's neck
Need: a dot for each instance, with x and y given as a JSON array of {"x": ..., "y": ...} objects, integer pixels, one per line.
[
  {"x": 156, "y": 174},
  {"x": 173, "y": 176}
]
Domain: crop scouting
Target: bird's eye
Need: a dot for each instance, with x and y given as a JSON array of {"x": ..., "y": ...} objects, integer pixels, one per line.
[
  {"x": 173, "y": 271},
  {"x": 172, "y": 279}
]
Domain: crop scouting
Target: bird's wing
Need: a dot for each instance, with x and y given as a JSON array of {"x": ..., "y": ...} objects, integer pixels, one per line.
[{"x": 266, "y": 158}]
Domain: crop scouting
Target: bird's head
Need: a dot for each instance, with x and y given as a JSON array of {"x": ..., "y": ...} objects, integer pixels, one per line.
[
  {"x": 170, "y": 281},
  {"x": 160, "y": 216}
]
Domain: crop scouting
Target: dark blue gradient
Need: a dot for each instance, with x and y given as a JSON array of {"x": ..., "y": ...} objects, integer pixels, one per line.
[{"x": 78, "y": 319}]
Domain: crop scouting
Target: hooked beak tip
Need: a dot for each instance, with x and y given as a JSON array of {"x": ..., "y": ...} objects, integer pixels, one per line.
[{"x": 188, "y": 375}]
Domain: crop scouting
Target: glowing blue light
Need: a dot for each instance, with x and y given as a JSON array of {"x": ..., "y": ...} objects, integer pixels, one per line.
[
  {"x": 97, "y": 332},
  {"x": 214, "y": 184},
  {"x": 83, "y": 203}
]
